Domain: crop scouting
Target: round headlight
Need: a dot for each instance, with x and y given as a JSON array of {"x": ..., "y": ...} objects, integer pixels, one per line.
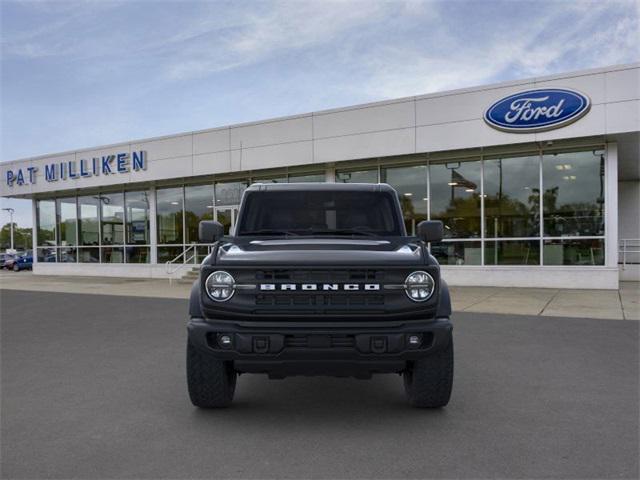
[
  {"x": 419, "y": 286},
  {"x": 220, "y": 286}
]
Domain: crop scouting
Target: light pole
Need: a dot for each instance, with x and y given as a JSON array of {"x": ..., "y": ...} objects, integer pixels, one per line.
[{"x": 11, "y": 212}]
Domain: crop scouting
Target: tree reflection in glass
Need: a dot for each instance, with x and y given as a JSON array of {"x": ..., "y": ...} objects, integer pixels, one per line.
[
  {"x": 88, "y": 228},
  {"x": 137, "y": 218},
  {"x": 46, "y": 226},
  {"x": 411, "y": 185},
  {"x": 573, "y": 198},
  {"x": 512, "y": 197},
  {"x": 112, "y": 218},
  {"x": 198, "y": 206},
  {"x": 169, "y": 215},
  {"x": 455, "y": 198}
]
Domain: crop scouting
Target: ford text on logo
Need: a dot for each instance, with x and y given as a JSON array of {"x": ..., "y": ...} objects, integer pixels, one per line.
[
  {"x": 537, "y": 110},
  {"x": 319, "y": 286}
]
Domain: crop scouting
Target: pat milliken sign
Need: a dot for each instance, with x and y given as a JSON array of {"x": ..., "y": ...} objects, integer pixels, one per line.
[
  {"x": 115, "y": 164},
  {"x": 537, "y": 110}
]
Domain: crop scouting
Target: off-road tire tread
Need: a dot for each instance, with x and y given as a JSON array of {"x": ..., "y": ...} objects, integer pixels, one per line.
[
  {"x": 429, "y": 381},
  {"x": 211, "y": 382}
]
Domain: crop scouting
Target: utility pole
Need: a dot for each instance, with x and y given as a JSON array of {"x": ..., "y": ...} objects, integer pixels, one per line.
[{"x": 11, "y": 212}]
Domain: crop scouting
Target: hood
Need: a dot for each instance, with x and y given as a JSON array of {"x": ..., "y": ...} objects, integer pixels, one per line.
[{"x": 319, "y": 251}]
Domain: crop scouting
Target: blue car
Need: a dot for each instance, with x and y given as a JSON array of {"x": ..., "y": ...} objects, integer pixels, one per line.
[{"x": 23, "y": 262}]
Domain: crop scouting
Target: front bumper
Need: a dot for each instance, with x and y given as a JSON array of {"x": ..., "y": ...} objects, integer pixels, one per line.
[{"x": 299, "y": 348}]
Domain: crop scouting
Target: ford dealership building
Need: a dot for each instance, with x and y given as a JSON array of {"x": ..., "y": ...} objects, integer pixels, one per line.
[{"x": 536, "y": 182}]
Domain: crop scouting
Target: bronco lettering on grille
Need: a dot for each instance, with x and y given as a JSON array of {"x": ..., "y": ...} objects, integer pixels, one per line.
[{"x": 319, "y": 286}]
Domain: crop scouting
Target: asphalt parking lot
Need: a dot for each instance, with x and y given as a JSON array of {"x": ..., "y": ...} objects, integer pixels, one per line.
[{"x": 94, "y": 387}]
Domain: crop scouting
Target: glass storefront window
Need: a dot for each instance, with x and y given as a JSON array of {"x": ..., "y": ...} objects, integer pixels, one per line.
[
  {"x": 115, "y": 227},
  {"x": 358, "y": 176},
  {"x": 67, "y": 221},
  {"x": 67, "y": 255},
  {"x": 282, "y": 179},
  {"x": 89, "y": 255},
  {"x": 88, "y": 227},
  {"x": 227, "y": 217},
  {"x": 512, "y": 252},
  {"x": 112, "y": 255},
  {"x": 137, "y": 254},
  {"x": 573, "y": 198},
  {"x": 230, "y": 193},
  {"x": 411, "y": 185},
  {"x": 573, "y": 252},
  {"x": 137, "y": 218},
  {"x": 169, "y": 208},
  {"x": 198, "y": 206},
  {"x": 166, "y": 254},
  {"x": 47, "y": 254},
  {"x": 201, "y": 252},
  {"x": 512, "y": 197},
  {"x": 457, "y": 253},
  {"x": 46, "y": 218},
  {"x": 455, "y": 198},
  {"x": 112, "y": 218},
  {"x": 309, "y": 177}
]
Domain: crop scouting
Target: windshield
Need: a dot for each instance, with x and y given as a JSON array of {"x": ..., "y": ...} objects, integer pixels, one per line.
[{"x": 349, "y": 213}]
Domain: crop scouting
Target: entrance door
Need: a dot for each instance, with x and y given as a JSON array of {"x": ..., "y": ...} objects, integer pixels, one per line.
[{"x": 227, "y": 217}]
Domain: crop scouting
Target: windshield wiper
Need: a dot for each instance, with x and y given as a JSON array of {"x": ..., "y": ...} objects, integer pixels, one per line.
[{"x": 267, "y": 231}]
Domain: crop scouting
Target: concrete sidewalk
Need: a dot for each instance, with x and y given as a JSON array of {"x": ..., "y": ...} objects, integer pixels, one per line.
[
  {"x": 609, "y": 304},
  {"x": 612, "y": 304}
]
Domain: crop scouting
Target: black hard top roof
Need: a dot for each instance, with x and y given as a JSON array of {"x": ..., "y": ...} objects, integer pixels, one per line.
[{"x": 315, "y": 187}]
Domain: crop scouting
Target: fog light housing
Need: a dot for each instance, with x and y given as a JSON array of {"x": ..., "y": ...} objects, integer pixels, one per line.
[
  {"x": 414, "y": 340},
  {"x": 225, "y": 341},
  {"x": 220, "y": 286},
  {"x": 419, "y": 286}
]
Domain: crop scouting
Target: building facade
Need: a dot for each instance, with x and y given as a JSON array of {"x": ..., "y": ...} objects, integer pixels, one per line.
[{"x": 536, "y": 181}]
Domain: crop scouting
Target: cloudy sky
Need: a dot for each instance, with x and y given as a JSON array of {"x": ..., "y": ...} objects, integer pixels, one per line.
[{"x": 80, "y": 74}]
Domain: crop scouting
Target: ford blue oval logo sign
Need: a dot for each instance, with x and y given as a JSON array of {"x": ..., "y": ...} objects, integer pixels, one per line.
[{"x": 537, "y": 110}]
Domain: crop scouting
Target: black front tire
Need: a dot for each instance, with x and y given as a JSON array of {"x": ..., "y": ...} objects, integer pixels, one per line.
[
  {"x": 211, "y": 382},
  {"x": 428, "y": 381},
  {"x": 16, "y": 268}
]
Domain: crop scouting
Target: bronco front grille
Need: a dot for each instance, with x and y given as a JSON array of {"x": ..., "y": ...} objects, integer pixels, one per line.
[
  {"x": 315, "y": 291},
  {"x": 304, "y": 299},
  {"x": 320, "y": 275},
  {"x": 320, "y": 300}
]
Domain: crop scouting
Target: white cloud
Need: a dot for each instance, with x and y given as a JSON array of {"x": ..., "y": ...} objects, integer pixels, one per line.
[
  {"x": 563, "y": 35},
  {"x": 53, "y": 30},
  {"x": 287, "y": 26},
  {"x": 534, "y": 47},
  {"x": 367, "y": 37}
]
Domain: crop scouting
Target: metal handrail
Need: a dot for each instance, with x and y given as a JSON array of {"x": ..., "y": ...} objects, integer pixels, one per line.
[
  {"x": 186, "y": 261},
  {"x": 628, "y": 245}
]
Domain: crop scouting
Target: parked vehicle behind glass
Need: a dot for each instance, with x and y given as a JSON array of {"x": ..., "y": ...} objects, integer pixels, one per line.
[
  {"x": 23, "y": 262},
  {"x": 8, "y": 260}
]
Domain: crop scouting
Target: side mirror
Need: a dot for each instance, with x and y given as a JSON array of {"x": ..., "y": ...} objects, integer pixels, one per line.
[
  {"x": 430, "y": 231},
  {"x": 210, "y": 231}
]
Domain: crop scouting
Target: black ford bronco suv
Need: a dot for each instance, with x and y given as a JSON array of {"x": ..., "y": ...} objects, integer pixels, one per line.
[{"x": 320, "y": 279}]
